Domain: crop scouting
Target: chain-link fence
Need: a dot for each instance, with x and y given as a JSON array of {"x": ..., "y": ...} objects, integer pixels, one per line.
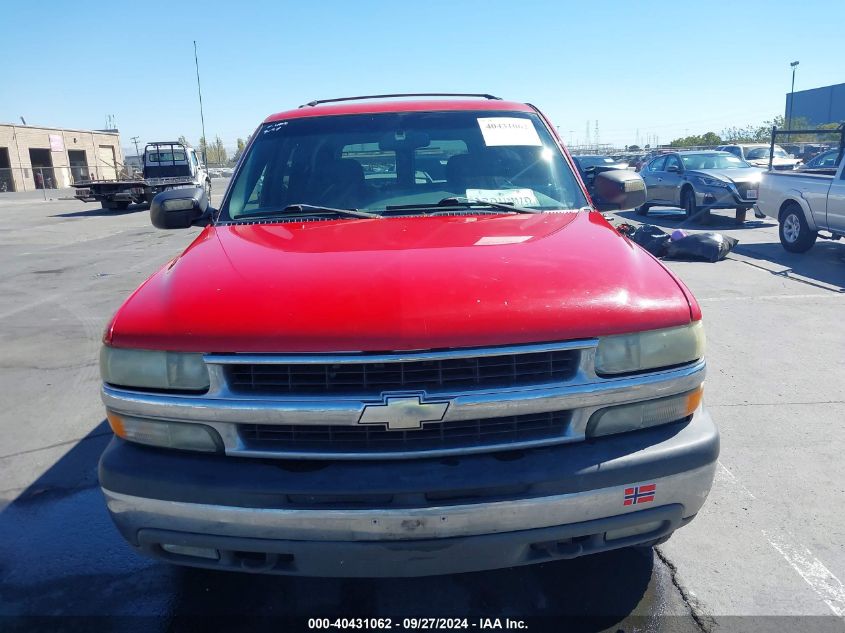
[{"x": 35, "y": 178}]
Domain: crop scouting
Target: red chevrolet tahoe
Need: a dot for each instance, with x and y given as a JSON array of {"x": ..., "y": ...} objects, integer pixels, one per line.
[{"x": 405, "y": 344}]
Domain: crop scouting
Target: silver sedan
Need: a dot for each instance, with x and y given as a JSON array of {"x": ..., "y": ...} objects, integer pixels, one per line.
[{"x": 699, "y": 181}]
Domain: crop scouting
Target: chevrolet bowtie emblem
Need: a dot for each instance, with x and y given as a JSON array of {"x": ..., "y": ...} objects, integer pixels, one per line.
[{"x": 401, "y": 413}]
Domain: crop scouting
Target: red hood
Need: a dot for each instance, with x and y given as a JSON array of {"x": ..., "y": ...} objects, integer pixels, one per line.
[{"x": 400, "y": 284}]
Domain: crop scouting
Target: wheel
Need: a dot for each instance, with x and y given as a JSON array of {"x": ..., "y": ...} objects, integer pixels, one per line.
[
  {"x": 795, "y": 234},
  {"x": 740, "y": 214},
  {"x": 691, "y": 210},
  {"x": 643, "y": 209}
]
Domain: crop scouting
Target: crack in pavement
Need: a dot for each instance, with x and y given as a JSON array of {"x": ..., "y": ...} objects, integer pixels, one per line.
[
  {"x": 703, "y": 621},
  {"x": 77, "y": 440}
]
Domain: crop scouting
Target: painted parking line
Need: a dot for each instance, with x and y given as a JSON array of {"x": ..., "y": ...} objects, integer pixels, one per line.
[{"x": 828, "y": 587}]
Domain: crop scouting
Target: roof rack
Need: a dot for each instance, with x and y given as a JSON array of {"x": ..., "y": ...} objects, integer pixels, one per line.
[
  {"x": 311, "y": 104},
  {"x": 840, "y": 130}
]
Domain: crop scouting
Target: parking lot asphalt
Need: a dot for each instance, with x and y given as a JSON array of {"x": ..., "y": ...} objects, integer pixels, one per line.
[{"x": 770, "y": 541}]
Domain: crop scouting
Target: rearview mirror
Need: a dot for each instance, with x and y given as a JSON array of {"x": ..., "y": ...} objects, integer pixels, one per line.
[
  {"x": 621, "y": 187},
  {"x": 180, "y": 208}
]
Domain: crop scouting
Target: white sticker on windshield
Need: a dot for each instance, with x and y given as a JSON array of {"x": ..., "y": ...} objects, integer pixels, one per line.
[
  {"x": 503, "y": 130},
  {"x": 519, "y": 197}
]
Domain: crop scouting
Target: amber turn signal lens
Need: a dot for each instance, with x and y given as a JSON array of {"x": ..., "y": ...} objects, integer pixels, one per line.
[{"x": 116, "y": 423}]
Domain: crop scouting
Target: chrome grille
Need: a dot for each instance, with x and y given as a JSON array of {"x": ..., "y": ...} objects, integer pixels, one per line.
[
  {"x": 474, "y": 372},
  {"x": 432, "y": 436}
]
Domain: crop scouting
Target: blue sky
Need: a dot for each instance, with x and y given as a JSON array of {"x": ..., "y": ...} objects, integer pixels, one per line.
[{"x": 663, "y": 68}]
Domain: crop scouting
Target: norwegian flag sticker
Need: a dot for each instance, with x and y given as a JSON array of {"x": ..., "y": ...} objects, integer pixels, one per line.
[{"x": 640, "y": 494}]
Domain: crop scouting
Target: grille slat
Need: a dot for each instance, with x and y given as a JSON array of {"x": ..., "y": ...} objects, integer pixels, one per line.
[
  {"x": 372, "y": 377},
  {"x": 432, "y": 436}
]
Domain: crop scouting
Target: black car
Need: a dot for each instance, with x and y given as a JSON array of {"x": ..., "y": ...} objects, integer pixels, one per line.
[{"x": 589, "y": 165}]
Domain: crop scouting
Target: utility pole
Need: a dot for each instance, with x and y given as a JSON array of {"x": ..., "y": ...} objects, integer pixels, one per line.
[
  {"x": 791, "y": 96},
  {"x": 202, "y": 118},
  {"x": 134, "y": 139}
]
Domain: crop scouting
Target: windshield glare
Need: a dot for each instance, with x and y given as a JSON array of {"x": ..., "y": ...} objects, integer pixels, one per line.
[
  {"x": 373, "y": 161},
  {"x": 713, "y": 161},
  {"x": 594, "y": 161}
]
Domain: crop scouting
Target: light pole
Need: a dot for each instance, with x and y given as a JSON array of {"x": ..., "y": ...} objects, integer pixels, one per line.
[{"x": 791, "y": 96}]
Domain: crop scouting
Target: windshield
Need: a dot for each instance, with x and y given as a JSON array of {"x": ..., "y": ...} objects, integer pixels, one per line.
[
  {"x": 763, "y": 152},
  {"x": 713, "y": 161},
  {"x": 827, "y": 159},
  {"x": 374, "y": 161}
]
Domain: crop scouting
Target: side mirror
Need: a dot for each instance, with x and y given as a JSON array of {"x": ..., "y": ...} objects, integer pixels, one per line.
[
  {"x": 673, "y": 169},
  {"x": 180, "y": 208},
  {"x": 623, "y": 188}
]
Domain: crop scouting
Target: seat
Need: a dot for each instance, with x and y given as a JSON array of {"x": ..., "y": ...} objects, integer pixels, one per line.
[{"x": 339, "y": 184}]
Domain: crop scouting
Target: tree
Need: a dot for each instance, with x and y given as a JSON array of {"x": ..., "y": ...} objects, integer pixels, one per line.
[
  {"x": 633, "y": 148},
  {"x": 706, "y": 139},
  {"x": 202, "y": 148},
  {"x": 217, "y": 153},
  {"x": 241, "y": 144},
  {"x": 184, "y": 141}
]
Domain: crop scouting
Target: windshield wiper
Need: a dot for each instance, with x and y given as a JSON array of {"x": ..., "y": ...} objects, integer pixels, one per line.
[
  {"x": 463, "y": 202},
  {"x": 301, "y": 208}
]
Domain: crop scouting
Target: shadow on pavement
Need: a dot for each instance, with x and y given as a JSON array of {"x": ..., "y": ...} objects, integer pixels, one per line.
[
  {"x": 576, "y": 588},
  {"x": 62, "y": 559},
  {"x": 133, "y": 208},
  {"x": 825, "y": 262},
  {"x": 720, "y": 220}
]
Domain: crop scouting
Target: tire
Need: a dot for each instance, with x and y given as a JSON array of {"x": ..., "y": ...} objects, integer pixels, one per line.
[
  {"x": 643, "y": 209},
  {"x": 794, "y": 232},
  {"x": 692, "y": 211}
]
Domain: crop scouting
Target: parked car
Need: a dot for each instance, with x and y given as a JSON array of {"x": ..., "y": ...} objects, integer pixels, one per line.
[
  {"x": 700, "y": 181},
  {"x": 826, "y": 160},
  {"x": 758, "y": 155},
  {"x": 650, "y": 155},
  {"x": 804, "y": 151},
  {"x": 805, "y": 203},
  {"x": 589, "y": 166},
  {"x": 345, "y": 376}
]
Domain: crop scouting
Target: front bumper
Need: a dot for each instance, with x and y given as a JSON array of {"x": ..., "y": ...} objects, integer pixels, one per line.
[
  {"x": 722, "y": 198},
  {"x": 410, "y": 518}
]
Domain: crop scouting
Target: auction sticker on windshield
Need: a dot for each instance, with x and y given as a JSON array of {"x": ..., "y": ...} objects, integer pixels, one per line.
[
  {"x": 520, "y": 197},
  {"x": 502, "y": 130}
]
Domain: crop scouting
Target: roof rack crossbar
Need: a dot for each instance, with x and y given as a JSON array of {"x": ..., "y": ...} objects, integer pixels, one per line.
[{"x": 311, "y": 104}]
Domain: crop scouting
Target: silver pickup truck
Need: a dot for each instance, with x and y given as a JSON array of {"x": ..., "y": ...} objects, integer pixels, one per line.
[{"x": 807, "y": 204}]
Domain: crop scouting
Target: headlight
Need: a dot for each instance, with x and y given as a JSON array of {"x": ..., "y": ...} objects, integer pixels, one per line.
[
  {"x": 189, "y": 437},
  {"x": 650, "y": 350},
  {"x": 643, "y": 415},
  {"x": 711, "y": 182},
  {"x": 153, "y": 370}
]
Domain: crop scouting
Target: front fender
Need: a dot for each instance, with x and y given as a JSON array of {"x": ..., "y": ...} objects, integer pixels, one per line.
[{"x": 795, "y": 195}]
